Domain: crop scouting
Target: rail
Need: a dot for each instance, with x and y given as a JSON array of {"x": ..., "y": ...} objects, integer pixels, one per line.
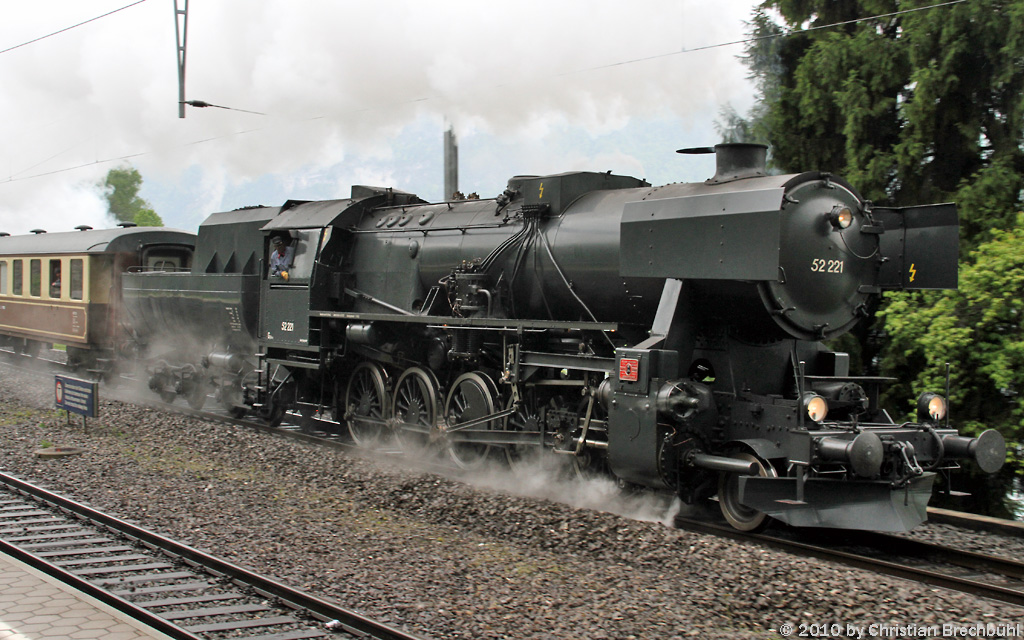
[
  {"x": 308, "y": 605},
  {"x": 884, "y": 560}
]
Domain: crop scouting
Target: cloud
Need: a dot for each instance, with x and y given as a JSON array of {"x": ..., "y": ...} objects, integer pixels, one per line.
[{"x": 337, "y": 80}]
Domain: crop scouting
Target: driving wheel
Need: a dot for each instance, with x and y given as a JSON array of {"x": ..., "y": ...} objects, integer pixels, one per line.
[
  {"x": 414, "y": 407},
  {"x": 472, "y": 396},
  {"x": 366, "y": 401}
]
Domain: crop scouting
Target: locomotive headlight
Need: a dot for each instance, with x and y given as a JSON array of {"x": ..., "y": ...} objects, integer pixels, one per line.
[
  {"x": 841, "y": 217},
  {"x": 931, "y": 407},
  {"x": 815, "y": 406}
]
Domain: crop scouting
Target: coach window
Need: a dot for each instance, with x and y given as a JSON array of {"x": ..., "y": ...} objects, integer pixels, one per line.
[
  {"x": 76, "y": 278},
  {"x": 16, "y": 271},
  {"x": 55, "y": 280},
  {"x": 3, "y": 277},
  {"x": 35, "y": 278}
]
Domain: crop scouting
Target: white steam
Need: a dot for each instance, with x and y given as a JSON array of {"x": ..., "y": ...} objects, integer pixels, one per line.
[
  {"x": 336, "y": 81},
  {"x": 549, "y": 478}
]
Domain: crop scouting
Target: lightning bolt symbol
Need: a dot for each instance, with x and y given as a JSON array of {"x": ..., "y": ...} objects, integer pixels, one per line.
[
  {"x": 913, "y": 272},
  {"x": 541, "y": 191}
]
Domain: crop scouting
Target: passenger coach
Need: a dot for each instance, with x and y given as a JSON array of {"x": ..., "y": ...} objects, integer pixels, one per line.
[{"x": 65, "y": 288}]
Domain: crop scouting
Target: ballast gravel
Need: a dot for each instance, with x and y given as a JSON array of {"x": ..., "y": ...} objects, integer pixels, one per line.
[{"x": 477, "y": 558}]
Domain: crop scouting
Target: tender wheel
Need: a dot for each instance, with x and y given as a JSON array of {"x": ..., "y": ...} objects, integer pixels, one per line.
[
  {"x": 738, "y": 515},
  {"x": 275, "y": 415},
  {"x": 230, "y": 397},
  {"x": 526, "y": 419},
  {"x": 366, "y": 402},
  {"x": 472, "y": 396},
  {"x": 414, "y": 407},
  {"x": 278, "y": 402},
  {"x": 197, "y": 398},
  {"x": 197, "y": 393}
]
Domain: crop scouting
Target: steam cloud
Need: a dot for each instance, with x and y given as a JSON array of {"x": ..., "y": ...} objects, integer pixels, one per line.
[{"x": 342, "y": 85}]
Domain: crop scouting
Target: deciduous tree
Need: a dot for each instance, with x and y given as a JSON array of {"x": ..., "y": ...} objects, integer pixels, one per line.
[{"x": 121, "y": 189}]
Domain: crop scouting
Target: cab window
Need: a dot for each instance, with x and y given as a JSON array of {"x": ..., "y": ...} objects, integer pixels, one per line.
[
  {"x": 305, "y": 253},
  {"x": 55, "y": 280},
  {"x": 18, "y": 272},
  {"x": 298, "y": 253},
  {"x": 77, "y": 273},
  {"x": 35, "y": 278},
  {"x": 163, "y": 264},
  {"x": 3, "y": 277}
]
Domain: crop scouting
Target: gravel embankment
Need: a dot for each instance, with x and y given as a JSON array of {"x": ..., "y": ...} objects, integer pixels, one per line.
[{"x": 437, "y": 556}]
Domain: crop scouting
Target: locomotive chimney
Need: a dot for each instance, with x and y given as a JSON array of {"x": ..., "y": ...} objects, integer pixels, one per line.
[{"x": 737, "y": 160}]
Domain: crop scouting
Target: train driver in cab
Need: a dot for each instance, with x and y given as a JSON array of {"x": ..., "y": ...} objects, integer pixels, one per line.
[{"x": 281, "y": 256}]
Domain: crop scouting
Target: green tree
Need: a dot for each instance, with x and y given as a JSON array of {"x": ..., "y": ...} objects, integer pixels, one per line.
[
  {"x": 906, "y": 107},
  {"x": 121, "y": 189},
  {"x": 148, "y": 218}
]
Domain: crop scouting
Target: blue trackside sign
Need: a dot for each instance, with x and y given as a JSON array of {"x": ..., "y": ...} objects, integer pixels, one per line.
[{"x": 76, "y": 396}]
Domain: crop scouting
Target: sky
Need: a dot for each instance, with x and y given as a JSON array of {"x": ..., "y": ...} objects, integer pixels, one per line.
[{"x": 351, "y": 92}]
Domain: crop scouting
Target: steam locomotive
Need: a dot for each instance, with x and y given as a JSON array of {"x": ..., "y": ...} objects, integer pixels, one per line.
[{"x": 668, "y": 336}]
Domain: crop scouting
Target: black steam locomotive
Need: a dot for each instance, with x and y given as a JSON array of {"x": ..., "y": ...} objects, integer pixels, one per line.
[{"x": 670, "y": 336}]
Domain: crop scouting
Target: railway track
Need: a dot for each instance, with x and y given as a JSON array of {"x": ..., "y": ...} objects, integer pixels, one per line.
[
  {"x": 179, "y": 590},
  {"x": 987, "y": 576},
  {"x": 982, "y": 575}
]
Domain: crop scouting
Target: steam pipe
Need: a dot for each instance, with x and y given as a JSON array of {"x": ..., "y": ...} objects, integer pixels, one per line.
[{"x": 728, "y": 465}]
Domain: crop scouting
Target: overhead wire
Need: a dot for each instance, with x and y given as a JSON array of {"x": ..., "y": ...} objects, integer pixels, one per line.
[
  {"x": 74, "y": 26},
  {"x": 764, "y": 37},
  {"x": 428, "y": 98}
]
